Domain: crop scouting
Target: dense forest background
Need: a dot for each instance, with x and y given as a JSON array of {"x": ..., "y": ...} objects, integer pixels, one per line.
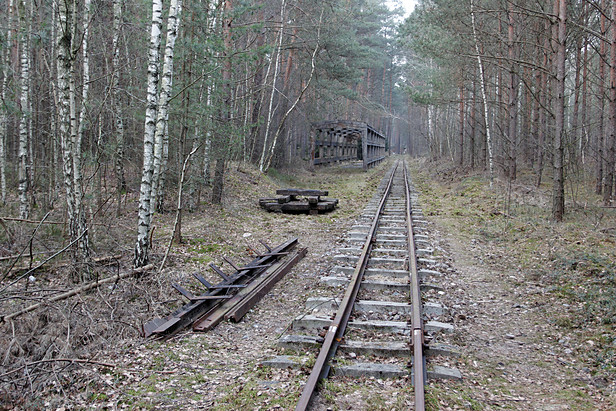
[
  {"x": 104, "y": 99},
  {"x": 119, "y": 117}
]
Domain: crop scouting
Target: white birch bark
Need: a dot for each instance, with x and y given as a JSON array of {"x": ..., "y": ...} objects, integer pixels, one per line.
[
  {"x": 24, "y": 64},
  {"x": 54, "y": 177},
  {"x": 160, "y": 135},
  {"x": 84, "y": 92},
  {"x": 117, "y": 106},
  {"x": 207, "y": 150},
  {"x": 78, "y": 131},
  {"x": 270, "y": 112},
  {"x": 483, "y": 95},
  {"x": 143, "y": 230},
  {"x": 431, "y": 138},
  {"x": 297, "y": 100},
  {"x": 30, "y": 159},
  {"x": 4, "y": 96},
  {"x": 64, "y": 67}
]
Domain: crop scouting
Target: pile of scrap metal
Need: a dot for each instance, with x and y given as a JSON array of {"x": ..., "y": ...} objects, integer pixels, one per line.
[
  {"x": 231, "y": 298},
  {"x": 294, "y": 200}
]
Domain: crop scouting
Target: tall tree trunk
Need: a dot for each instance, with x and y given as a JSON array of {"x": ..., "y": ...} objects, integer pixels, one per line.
[
  {"x": 584, "y": 131},
  {"x": 67, "y": 117},
  {"x": 78, "y": 136},
  {"x": 24, "y": 204},
  {"x": 483, "y": 96},
  {"x": 4, "y": 110},
  {"x": 601, "y": 102},
  {"x": 222, "y": 147},
  {"x": 543, "y": 96},
  {"x": 30, "y": 170},
  {"x": 512, "y": 103},
  {"x": 572, "y": 142},
  {"x": 473, "y": 121},
  {"x": 117, "y": 104},
  {"x": 161, "y": 140},
  {"x": 461, "y": 127},
  {"x": 270, "y": 111},
  {"x": 145, "y": 218},
  {"x": 558, "y": 190},
  {"x": 611, "y": 143},
  {"x": 299, "y": 97},
  {"x": 255, "y": 129}
]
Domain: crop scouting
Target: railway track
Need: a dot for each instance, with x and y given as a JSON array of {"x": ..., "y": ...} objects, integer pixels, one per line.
[{"x": 385, "y": 266}]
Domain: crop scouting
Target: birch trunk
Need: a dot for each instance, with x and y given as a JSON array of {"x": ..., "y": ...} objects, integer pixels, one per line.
[
  {"x": 207, "y": 149},
  {"x": 64, "y": 64},
  {"x": 30, "y": 160},
  {"x": 297, "y": 100},
  {"x": 24, "y": 63},
  {"x": 142, "y": 245},
  {"x": 161, "y": 136},
  {"x": 4, "y": 95},
  {"x": 461, "y": 127},
  {"x": 270, "y": 112},
  {"x": 69, "y": 125},
  {"x": 80, "y": 127},
  {"x": 484, "y": 98},
  {"x": 117, "y": 105}
]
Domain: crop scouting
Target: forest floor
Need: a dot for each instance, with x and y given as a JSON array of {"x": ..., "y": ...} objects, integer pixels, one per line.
[{"x": 533, "y": 303}]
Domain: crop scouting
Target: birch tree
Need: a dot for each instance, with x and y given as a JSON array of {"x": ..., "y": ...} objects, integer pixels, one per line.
[
  {"x": 68, "y": 125},
  {"x": 144, "y": 220},
  {"x": 270, "y": 111},
  {"x": 4, "y": 110},
  {"x": 117, "y": 102},
  {"x": 299, "y": 97},
  {"x": 79, "y": 129},
  {"x": 484, "y": 97},
  {"x": 161, "y": 139},
  {"x": 24, "y": 63}
]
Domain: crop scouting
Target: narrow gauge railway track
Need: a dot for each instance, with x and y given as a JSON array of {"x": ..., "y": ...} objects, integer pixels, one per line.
[{"x": 386, "y": 243}]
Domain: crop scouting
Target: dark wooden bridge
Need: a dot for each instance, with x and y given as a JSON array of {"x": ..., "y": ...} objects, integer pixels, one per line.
[{"x": 344, "y": 140}]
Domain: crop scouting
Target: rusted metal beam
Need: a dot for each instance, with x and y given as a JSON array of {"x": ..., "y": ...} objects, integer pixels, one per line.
[
  {"x": 187, "y": 314},
  {"x": 264, "y": 287},
  {"x": 241, "y": 302}
]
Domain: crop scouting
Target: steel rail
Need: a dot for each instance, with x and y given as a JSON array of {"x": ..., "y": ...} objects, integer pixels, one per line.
[
  {"x": 417, "y": 332},
  {"x": 336, "y": 329}
]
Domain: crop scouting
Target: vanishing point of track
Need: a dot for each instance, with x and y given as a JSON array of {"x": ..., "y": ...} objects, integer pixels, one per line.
[{"x": 396, "y": 189}]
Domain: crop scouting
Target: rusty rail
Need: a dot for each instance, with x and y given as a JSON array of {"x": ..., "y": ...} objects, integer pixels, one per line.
[
  {"x": 417, "y": 333},
  {"x": 336, "y": 329},
  {"x": 235, "y": 307},
  {"x": 199, "y": 305}
]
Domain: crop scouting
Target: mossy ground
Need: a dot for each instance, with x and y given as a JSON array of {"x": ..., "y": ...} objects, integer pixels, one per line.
[{"x": 555, "y": 277}]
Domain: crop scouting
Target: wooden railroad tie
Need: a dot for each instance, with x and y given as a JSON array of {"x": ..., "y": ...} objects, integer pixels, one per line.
[{"x": 294, "y": 200}]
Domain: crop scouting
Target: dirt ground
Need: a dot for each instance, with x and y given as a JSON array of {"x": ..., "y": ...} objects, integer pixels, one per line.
[{"x": 519, "y": 331}]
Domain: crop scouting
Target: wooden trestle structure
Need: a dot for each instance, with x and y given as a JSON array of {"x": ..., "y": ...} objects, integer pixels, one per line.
[{"x": 344, "y": 140}]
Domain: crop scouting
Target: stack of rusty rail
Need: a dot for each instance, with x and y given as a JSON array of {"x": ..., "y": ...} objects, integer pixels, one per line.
[
  {"x": 294, "y": 200},
  {"x": 233, "y": 296}
]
